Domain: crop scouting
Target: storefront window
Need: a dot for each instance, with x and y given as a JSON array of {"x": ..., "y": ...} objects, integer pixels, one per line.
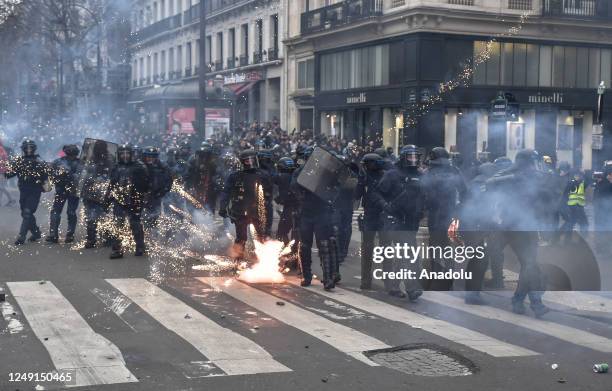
[
  {"x": 355, "y": 68},
  {"x": 506, "y": 64},
  {"x": 569, "y": 79},
  {"x": 520, "y": 62},
  {"x": 493, "y": 65},
  {"x": 545, "y": 66},
  {"x": 594, "y": 68},
  {"x": 557, "y": 66},
  {"x": 533, "y": 63}
]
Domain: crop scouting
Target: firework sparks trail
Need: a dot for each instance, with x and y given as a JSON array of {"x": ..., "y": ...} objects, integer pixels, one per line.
[
  {"x": 261, "y": 208},
  {"x": 266, "y": 270},
  {"x": 464, "y": 77},
  {"x": 177, "y": 188}
]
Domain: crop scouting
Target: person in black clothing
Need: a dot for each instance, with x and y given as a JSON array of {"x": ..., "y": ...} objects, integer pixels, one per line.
[
  {"x": 129, "y": 184},
  {"x": 400, "y": 197},
  {"x": 201, "y": 176},
  {"x": 315, "y": 218},
  {"x": 246, "y": 200},
  {"x": 32, "y": 174},
  {"x": 520, "y": 198},
  {"x": 64, "y": 173},
  {"x": 160, "y": 183},
  {"x": 444, "y": 190},
  {"x": 370, "y": 223},
  {"x": 288, "y": 223}
]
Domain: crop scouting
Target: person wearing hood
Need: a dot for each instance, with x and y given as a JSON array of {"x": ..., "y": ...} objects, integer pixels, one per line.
[
  {"x": 32, "y": 174},
  {"x": 520, "y": 196},
  {"x": 445, "y": 190}
]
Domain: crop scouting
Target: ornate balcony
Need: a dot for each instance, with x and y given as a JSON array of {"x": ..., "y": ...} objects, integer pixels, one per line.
[
  {"x": 579, "y": 9},
  {"x": 339, "y": 14}
]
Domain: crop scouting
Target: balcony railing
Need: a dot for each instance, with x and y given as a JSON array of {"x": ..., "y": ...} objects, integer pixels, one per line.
[
  {"x": 520, "y": 5},
  {"x": 172, "y": 75},
  {"x": 231, "y": 62},
  {"x": 339, "y": 14},
  {"x": 156, "y": 28},
  {"x": 218, "y": 65},
  {"x": 244, "y": 60},
  {"x": 582, "y": 9},
  {"x": 257, "y": 57},
  {"x": 192, "y": 14},
  {"x": 272, "y": 54}
]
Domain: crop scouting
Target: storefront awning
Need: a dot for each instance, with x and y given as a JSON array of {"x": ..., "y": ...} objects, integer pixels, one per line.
[
  {"x": 188, "y": 90},
  {"x": 241, "y": 88},
  {"x": 136, "y": 96}
]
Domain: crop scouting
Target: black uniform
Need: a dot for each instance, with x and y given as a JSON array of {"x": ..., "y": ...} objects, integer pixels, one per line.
[
  {"x": 246, "y": 200},
  {"x": 200, "y": 179},
  {"x": 400, "y": 196},
  {"x": 444, "y": 190},
  {"x": 129, "y": 185},
  {"x": 65, "y": 172},
  {"x": 160, "y": 183},
  {"x": 287, "y": 223},
  {"x": 370, "y": 223},
  {"x": 32, "y": 173},
  {"x": 315, "y": 218},
  {"x": 520, "y": 202}
]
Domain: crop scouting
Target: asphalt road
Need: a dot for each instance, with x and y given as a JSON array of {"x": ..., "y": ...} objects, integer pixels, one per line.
[{"x": 157, "y": 323}]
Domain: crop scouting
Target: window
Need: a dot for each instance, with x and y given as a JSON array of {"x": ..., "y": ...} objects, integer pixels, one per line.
[
  {"x": 533, "y": 65},
  {"x": 245, "y": 39},
  {"x": 179, "y": 59},
  {"x": 507, "y": 63},
  {"x": 163, "y": 9},
  {"x": 306, "y": 74},
  {"x": 148, "y": 66},
  {"x": 155, "y": 13},
  {"x": 188, "y": 55},
  {"x": 569, "y": 78},
  {"x": 274, "y": 29},
  {"x": 557, "y": 66},
  {"x": 545, "y": 66},
  {"x": 163, "y": 63},
  {"x": 155, "y": 64},
  {"x": 356, "y": 68},
  {"x": 520, "y": 65},
  {"x": 208, "y": 48},
  {"x": 493, "y": 64},
  {"x": 520, "y": 4},
  {"x": 594, "y": 68},
  {"x": 219, "y": 55},
  {"x": 258, "y": 35},
  {"x": 171, "y": 60},
  {"x": 231, "y": 45}
]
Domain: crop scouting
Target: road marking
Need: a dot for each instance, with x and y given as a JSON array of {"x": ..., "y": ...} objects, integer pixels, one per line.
[
  {"x": 230, "y": 351},
  {"x": 71, "y": 343},
  {"x": 458, "y": 334},
  {"x": 343, "y": 338},
  {"x": 580, "y": 301},
  {"x": 565, "y": 333}
]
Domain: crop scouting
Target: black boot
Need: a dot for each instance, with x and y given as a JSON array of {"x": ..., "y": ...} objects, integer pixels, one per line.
[
  {"x": 334, "y": 257},
  {"x": 19, "y": 241},
  {"x": 116, "y": 254},
  {"x": 52, "y": 238},
  {"x": 69, "y": 238},
  {"x": 326, "y": 266}
]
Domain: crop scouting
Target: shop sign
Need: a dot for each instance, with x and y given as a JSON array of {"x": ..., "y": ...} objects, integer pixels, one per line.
[
  {"x": 361, "y": 98},
  {"x": 555, "y": 97},
  {"x": 597, "y": 141},
  {"x": 242, "y": 77}
]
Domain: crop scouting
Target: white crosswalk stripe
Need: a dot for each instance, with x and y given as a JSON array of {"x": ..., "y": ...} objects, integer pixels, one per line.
[
  {"x": 72, "y": 344},
  {"x": 233, "y": 353},
  {"x": 565, "y": 333},
  {"x": 458, "y": 334},
  {"x": 343, "y": 338},
  {"x": 580, "y": 301}
]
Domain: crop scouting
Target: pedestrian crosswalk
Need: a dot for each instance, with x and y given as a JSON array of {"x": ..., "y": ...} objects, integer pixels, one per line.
[{"x": 205, "y": 315}]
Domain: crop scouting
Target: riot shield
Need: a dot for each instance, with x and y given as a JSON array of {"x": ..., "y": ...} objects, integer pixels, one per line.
[
  {"x": 325, "y": 175},
  {"x": 98, "y": 157}
]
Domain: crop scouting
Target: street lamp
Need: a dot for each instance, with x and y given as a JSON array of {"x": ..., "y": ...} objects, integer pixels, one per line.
[{"x": 600, "y": 94}]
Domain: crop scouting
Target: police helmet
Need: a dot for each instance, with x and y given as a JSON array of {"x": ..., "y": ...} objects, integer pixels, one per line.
[
  {"x": 286, "y": 164},
  {"x": 248, "y": 159},
  {"x": 502, "y": 163},
  {"x": 409, "y": 156},
  {"x": 136, "y": 153},
  {"x": 439, "y": 156},
  {"x": 373, "y": 162},
  {"x": 71, "y": 150},
  {"x": 150, "y": 155},
  {"x": 28, "y": 147},
  {"x": 265, "y": 154},
  {"x": 125, "y": 153},
  {"x": 185, "y": 150},
  {"x": 382, "y": 152},
  {"x": 527, "y": 158},
  {"x": 206, "y": 147}
]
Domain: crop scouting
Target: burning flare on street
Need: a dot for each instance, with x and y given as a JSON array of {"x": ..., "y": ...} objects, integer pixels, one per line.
[{"x": 267, "y": 268}]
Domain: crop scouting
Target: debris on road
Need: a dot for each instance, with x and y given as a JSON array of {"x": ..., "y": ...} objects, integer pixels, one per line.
[
  {"x": 281, "y": 303},
  {"x": 187, "y": 316},
  {"x": 324, "y": 379},
  {"x": 601, "y": 368},
  {"x": 561, "y": 380}
]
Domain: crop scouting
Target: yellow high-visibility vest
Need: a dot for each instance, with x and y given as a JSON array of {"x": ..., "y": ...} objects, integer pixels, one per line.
[{"x": 576, "y": 197}]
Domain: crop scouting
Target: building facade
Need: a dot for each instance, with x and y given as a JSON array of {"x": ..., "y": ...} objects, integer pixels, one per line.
[
  {"x": 243, "y": 63},
  {"x": 361, "y": 69}
]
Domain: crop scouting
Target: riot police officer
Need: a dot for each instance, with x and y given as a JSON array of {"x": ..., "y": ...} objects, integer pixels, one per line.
[
  {"x": 370, "y": 223},
  {"x": 400, "y": 196},
  {"x": 95, "y": 188},
  {"x": 315, "y": 218},
  {"x": 129, "y": 184},
  {"x": 246, "y": 200},
  {"x": 160, "y": 183},
  {"x": 520, "y": 197},
  {"x": 201, "y": 177},
  {"x": 64, "y": 172},
  {"x": 444, "y": 190},
  {"x": 288, "y": 217},
  {"x": 32, "y": 175}
]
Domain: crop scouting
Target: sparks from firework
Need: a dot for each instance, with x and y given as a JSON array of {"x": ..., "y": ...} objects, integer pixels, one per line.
[
  {"x": 177, "y": 188},
  {"x": 464, "y": 77},
  {"x": 261, "y": 208},
  {"x": 268, "y": 254}
]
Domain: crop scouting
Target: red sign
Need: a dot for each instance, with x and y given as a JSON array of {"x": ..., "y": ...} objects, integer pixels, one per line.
[{"x": 180, "y": 120}]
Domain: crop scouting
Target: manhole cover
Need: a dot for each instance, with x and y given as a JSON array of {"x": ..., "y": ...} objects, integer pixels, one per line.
[{"x": 423, "y": 360}]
